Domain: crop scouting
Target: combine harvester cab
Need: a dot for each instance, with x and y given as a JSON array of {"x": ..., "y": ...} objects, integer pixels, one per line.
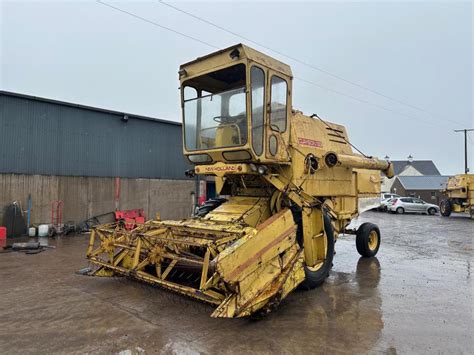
[{"x": 292, "y": 183}]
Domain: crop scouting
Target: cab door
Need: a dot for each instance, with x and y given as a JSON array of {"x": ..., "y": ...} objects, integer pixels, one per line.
[
  {"x": 258, "y": 99},
  {"x": 277, "y": 128}
]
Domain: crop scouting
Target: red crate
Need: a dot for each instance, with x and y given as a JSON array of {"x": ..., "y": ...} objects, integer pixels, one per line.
[{"x": 130, "y": 217}]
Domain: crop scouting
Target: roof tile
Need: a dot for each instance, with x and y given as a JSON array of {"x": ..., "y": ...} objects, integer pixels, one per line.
[{"x": 424, "y": 182}]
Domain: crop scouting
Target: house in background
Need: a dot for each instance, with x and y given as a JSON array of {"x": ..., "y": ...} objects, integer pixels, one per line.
[
  {"x": 426, "y": 187},
  {"x": 409, "y": 167}
]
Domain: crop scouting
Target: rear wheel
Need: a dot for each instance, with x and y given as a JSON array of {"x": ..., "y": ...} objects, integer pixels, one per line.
[
  {"x": 445, "y": 207},
  {"x": 368, "y": 239},
  {"x": 400, "y": 210}
]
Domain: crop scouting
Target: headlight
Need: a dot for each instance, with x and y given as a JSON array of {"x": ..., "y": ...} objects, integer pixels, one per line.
[
  {"x": 262, "y": 169},
  {"x": 199, "y": 158}
]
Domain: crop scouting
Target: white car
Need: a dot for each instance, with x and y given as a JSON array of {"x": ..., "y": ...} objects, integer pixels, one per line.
[
  {"x": 411, "y": 204},
  {"x": 384, "y": 204},
  {"x": 387, "y": 195}
]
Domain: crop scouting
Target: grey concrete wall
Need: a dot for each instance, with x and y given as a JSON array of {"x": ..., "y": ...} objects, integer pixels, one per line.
[{"x": 85, "y": 197}]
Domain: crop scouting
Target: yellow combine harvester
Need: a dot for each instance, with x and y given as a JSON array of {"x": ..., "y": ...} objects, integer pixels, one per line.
[
  {"x": 292, "y": 182},
  {"x": 460, "y": 193}
]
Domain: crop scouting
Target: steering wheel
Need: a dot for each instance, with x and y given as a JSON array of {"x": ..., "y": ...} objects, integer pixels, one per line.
[
  {"x": 234, "y": 119},
  {"x": 218, "y": 119}
]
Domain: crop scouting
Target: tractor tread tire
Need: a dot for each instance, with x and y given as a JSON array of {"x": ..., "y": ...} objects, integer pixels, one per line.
[
  {"x": 445, "y": 208},
  {"x": 314, "y": 279},
  {"x": 208, "y": 206}
]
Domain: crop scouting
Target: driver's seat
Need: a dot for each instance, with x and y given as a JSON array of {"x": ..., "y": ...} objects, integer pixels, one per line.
[{"x": 228, "y": 134}]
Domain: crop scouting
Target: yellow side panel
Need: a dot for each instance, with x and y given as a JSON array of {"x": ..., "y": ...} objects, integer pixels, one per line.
[
  {"x": 271, "y": 238},
  {"x": 251, "y": 210},
  {"x": 271, "y": 281},
  {"x": 461, "y": 186},
  {"x": 312, "y": 133},
  {"x": 368, "y": 182}
]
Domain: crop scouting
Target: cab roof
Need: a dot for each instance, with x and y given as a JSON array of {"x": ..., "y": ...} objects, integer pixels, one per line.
[{"x": 222, "y": 57}]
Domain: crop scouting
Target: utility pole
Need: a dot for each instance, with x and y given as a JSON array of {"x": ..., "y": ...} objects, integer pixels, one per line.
[{"x": 466, "y": 169}]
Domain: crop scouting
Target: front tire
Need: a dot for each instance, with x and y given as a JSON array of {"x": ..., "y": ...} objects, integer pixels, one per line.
[
  {"x": 368, "y": 239},
  {"x": 446, "y": 208},
  {"x": 432, "y": 211},
  {"x": 209, "y": 205},
  {"x": 315, "y": 278}
]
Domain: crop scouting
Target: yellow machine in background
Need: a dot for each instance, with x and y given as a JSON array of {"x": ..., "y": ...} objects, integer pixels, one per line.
[
  {"x": 460, "y": 193},
  {"x": 292, "y": 183}
]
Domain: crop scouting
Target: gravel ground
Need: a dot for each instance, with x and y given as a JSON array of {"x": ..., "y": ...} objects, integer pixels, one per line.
[{"x": 415, "y": 297}]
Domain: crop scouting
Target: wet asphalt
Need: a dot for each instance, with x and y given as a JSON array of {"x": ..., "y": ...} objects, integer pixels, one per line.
[{"x": 416, "y": 296}]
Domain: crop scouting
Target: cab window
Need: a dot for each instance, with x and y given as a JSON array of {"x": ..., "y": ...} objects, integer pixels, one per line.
[
  {"x": 236, "y": 103},
  {"x": 257, "y": 82},
  {"x": 278, "y": 103},
  {"x": 217, "y": 116}
]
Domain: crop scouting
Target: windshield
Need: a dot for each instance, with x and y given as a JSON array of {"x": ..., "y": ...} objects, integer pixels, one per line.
[{"x": 216, "y": 120}]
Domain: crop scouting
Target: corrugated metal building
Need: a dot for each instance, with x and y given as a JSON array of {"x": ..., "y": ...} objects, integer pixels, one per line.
[
  {"x": 41, "y": 136},
  {"x": 54, "y": 150}
]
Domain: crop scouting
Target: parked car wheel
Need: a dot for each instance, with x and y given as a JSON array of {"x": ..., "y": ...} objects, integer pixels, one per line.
[
  {"x": 432, "y": 211},
  {"x": 400, "y": 210}
]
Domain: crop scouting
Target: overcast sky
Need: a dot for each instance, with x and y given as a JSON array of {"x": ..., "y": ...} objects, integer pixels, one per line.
[{"x": 419, "y": 53}]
